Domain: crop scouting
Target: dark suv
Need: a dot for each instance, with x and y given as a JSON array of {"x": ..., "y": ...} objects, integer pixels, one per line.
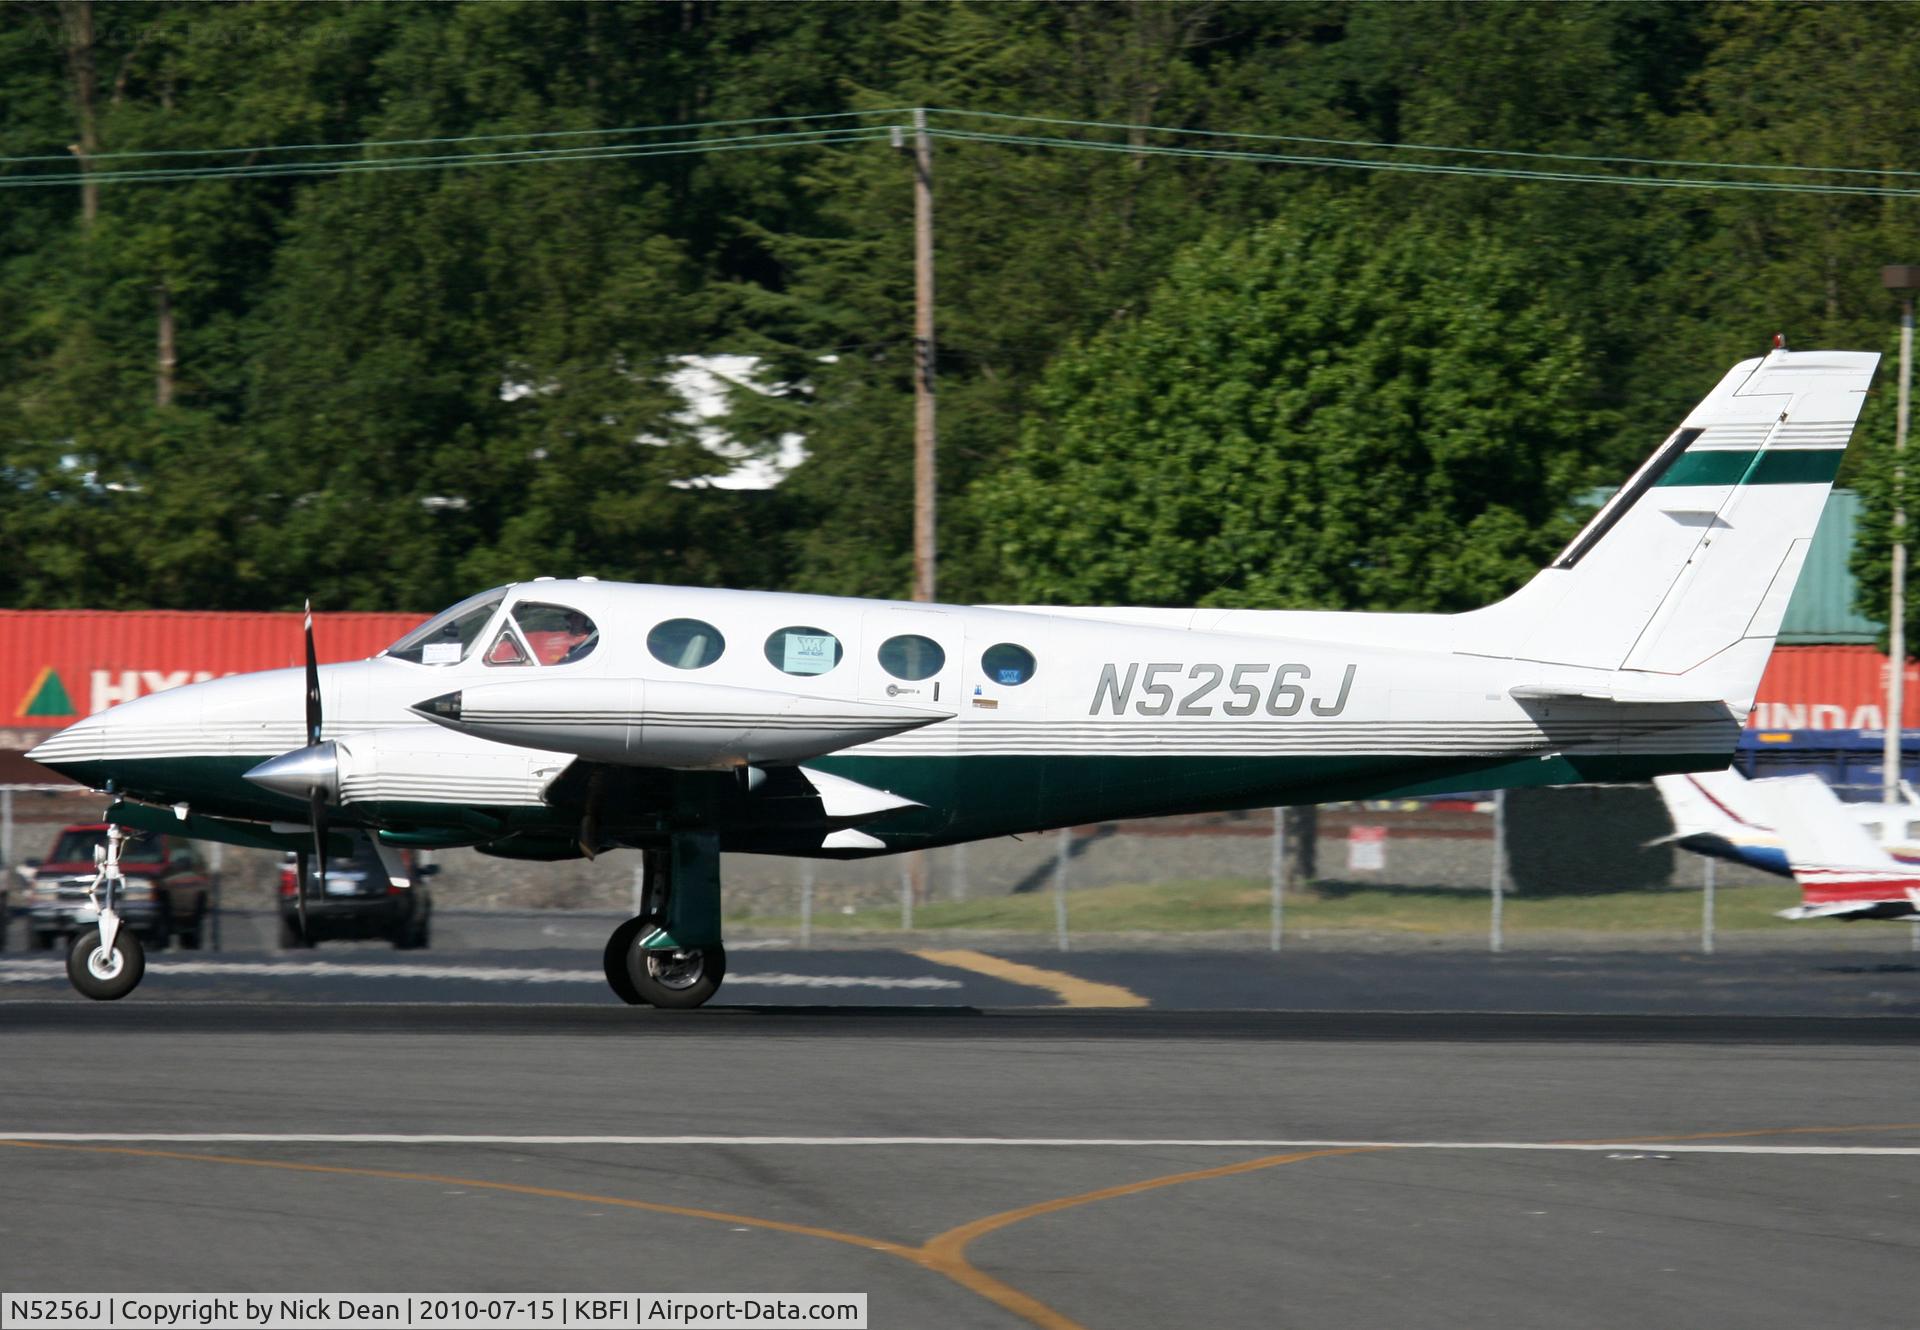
[
  {"x": 358, "y": 900},
  {"x": 165, "y": 895}
]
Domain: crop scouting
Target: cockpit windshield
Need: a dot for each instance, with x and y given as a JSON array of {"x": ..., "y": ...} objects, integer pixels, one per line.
[{"x": 446, "y": 638}]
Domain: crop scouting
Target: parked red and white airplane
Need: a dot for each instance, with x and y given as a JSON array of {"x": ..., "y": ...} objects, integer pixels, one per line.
[
  {"x": 1723, "y": 815},
  {"x": 1841, "y": 872}
]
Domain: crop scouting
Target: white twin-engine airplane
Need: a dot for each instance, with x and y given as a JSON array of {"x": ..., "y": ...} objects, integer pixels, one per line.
[{"x": 551, "y": 718}]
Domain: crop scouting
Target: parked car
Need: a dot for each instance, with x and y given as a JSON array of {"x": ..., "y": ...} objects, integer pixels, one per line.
[
  {"x": 358, "y": 900},
  {"x": 167, "y": 894}
]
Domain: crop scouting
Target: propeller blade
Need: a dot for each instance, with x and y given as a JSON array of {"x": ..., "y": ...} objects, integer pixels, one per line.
[
  {"x": 313, "y": 684},
  {"x": 300, "y": 890},
  {"x": 317, "y": 811}
]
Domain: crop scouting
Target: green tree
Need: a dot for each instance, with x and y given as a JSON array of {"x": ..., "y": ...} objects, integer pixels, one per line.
[
  {"x": 1327, "y": 412},
  {"x": 1886, "y": 481}
]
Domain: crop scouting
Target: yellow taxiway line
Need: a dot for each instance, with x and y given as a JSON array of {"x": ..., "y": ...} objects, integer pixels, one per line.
[
  {"x": 944, "y": 1253},
  {"x": 1072, "y": 990}
]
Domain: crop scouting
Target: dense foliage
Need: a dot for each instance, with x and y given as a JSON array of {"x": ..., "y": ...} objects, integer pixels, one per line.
[
  {"x": 1162, "y": 379},
  {"x": 1339, "y": 414}
]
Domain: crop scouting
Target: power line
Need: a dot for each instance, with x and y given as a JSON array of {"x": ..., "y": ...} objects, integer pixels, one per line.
[
  {"x": 1424, "y": 147},
  {"x": 68, "y": 157},
  {"x": 744, "y": 142},
  {"x": 896, "y": 112},
  {"x": 1429, "y": 168},
  {"x": 835, "y": 135}
]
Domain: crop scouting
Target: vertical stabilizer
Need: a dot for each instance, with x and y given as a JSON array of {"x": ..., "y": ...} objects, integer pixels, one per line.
[
  {"x": 1712, "y": 803},
  {"x": 1680, "y": 582}
]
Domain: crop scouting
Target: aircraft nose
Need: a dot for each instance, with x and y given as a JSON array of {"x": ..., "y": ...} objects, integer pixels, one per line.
[
  {"x": 79, "y": 742},
  {"x": 241, "y": 715},
  {"x": 144, "y": 727}
]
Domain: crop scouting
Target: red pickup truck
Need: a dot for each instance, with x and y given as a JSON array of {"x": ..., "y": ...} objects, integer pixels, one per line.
[{"x": 166, "y": 894}]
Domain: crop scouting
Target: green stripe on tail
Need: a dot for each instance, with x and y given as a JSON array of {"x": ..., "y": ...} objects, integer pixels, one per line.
[{"x": 1778, "y": 466}]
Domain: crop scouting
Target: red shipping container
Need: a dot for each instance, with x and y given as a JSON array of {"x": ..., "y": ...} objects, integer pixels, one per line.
[
  {"x": 59, "y": 665},
  {"x": 1830, "y": 688}
]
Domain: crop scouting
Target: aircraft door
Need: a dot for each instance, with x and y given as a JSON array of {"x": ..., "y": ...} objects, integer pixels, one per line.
[{"x": 910, "y": 658}]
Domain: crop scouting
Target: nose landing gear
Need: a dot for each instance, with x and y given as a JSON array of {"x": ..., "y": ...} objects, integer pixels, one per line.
[
  {"x": 670, "y": 954},
  {"x": 107, "y": 964}
]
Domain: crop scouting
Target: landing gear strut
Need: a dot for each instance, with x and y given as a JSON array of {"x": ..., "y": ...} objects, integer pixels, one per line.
[
  {"x": 670, "y": 954},
  {"x": 107, "y": 964}
]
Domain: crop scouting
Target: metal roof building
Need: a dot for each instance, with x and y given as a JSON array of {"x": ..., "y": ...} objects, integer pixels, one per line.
[{"x": 1821, "y": 610}]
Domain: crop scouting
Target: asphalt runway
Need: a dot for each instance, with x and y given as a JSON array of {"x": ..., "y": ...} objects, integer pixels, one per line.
[
  {"x": 554, "y": 958},
  {"x": 1198, "y": 1167}
]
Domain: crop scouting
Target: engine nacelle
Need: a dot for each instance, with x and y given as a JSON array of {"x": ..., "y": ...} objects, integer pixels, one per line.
[{"x": 412, "y": 764}]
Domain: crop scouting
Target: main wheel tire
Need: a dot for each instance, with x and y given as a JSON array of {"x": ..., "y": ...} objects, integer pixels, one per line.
[
  {"x": 615, "y": 959},
  {"x": 103, "y": 976},
  {"x": 678, "y": 980},
  {"x": 291, "y": 938}
]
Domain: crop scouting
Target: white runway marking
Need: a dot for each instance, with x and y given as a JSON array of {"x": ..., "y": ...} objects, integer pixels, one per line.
[
  {"x": 29, "y": 972},
  {"x": 971, "y": 1142}
]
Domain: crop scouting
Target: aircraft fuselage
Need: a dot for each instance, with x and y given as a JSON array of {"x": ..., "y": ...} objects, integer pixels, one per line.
[{"x": 987, "y": 721}]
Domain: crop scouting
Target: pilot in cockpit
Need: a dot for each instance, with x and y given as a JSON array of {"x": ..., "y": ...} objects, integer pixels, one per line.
[{"x": 563, "y": 642}]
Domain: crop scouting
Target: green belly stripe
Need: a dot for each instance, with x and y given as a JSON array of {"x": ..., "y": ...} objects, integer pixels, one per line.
[{"x": 1779, "y": 466}]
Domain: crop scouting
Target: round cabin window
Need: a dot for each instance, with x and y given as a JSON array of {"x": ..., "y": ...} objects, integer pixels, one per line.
[
  {"x": 1007, "y": 663},
  {"x": 803, "y": 650},
  {"x": 911, "y": 656},
  {"x": 686, "y": 644}
]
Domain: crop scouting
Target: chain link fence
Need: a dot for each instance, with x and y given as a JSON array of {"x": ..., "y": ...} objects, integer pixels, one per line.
[{"x": 1570, "y": 868}]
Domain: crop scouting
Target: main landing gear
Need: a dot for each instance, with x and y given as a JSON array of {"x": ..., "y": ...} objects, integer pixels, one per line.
[
  {"x": 669, "y": 955},
  {"x": 108, "y": 963}
]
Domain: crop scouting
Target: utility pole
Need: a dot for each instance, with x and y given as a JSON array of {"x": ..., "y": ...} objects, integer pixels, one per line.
[
  {"x": 1902, "y": 279},
  {"x": 925, "y": 547},
  {"x": 76, "y": 23},
  {"x": 166, "y": 358},
  {"x": 925, "y": 553}
]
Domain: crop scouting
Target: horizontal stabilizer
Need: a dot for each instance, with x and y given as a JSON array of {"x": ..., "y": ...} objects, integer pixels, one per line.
[
  {"x": 1843, "y": 909},
  {"x": 1623, "y": 696}
]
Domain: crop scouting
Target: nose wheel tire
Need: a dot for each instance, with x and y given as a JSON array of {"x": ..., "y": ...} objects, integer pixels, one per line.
[
  {"x": 106, "y": 975},
  {"x": 678, "y": 979},
  {"x": 619, "y": 946}
]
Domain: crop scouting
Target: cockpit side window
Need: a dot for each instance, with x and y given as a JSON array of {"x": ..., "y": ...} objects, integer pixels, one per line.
[
  {"x": 446, "y": 638},
  {"x": 557, "y": 634},
  {"x": 506, "y": 650}
]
